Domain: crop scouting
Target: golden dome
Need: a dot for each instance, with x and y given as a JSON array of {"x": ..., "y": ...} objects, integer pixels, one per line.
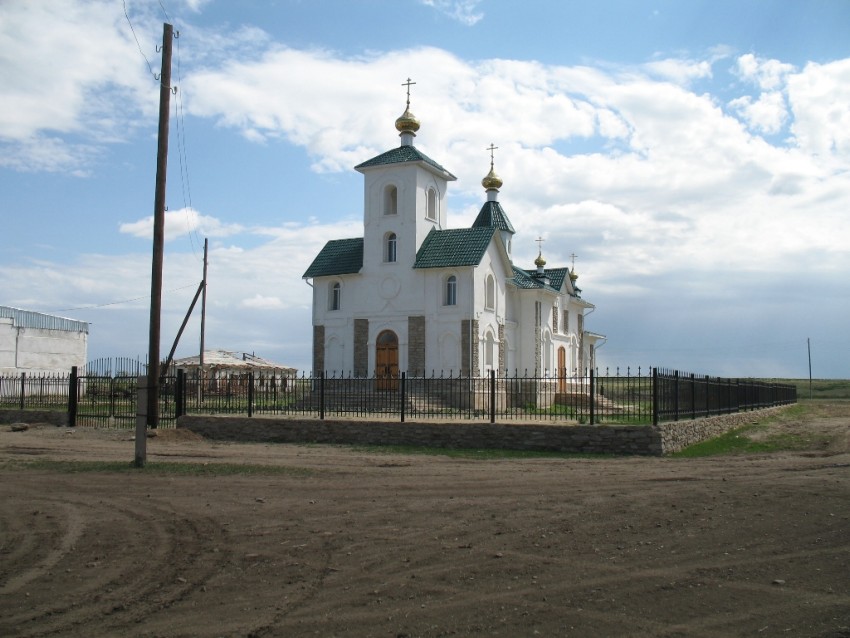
[
  {"x": 573, "y": 275},
  {"x": 540, "y": 262},
  {"x": 407, "y": 122},
  {"x": 492, "y": 180}
]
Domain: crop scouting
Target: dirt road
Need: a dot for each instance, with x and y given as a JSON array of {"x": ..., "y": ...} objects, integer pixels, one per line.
[{"x": 331, "y": 541}]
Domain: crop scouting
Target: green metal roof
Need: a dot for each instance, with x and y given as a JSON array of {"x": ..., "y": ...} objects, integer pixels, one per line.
[
  {"x": 526, "y": 279},
  {"x": 400, "y": 155},
  {"x": 338, "y": 257},
  {"x": 493, "y": 215},
  {"x": 453, "y": 247}
]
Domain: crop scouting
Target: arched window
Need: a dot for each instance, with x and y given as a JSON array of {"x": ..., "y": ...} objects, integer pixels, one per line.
[
  {"x": 335, "y": 297},
  {"x": 390, "y": 200},
  {"x": 490, "y": 293},
  {"x": 390, "y": 251},
  {"x": 451, "y": 291},
  {"x": 431, "y": 211}
]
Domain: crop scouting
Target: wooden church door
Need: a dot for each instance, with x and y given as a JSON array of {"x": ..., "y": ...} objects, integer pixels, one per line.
[
  {"x": 386, "y": 361},
  {"x": 562, "y": 369}
]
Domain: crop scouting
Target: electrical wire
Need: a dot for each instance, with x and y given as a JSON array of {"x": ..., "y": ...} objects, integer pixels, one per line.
[
  {"x": 138, "y": 44},
  {"x": 179, "y": 118},
  {"x": 115, "y": 303}
]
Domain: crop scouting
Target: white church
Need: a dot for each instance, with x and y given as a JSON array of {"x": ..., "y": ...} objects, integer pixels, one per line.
[{"x": 414, "y": 295}]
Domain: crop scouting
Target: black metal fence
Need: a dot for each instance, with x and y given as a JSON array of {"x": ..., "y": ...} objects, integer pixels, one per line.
[
  {"x": 106, "y": 397},
  {"x": 634, "y": 397}
]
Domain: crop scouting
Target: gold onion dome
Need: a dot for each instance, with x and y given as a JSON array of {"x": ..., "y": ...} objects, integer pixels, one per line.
[
  {"x": 492, "y": 180},
  {"x": 407, "y": 122},
  {"x": 540, "y": 262},
  {"x": 573, "y": 275}
]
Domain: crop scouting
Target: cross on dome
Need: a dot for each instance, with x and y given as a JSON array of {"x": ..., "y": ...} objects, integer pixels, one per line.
[
  {"x": 407, "y": 124},
  {"x": 491, "y": 181}
]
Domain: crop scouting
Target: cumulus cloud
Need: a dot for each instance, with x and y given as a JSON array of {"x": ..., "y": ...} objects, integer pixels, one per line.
[
  {"x": 766, "y": 74},
  {"x": 768, "y": 114},
  {"x": 819, "y": 96},
  {"x": 182, "y": 222}
]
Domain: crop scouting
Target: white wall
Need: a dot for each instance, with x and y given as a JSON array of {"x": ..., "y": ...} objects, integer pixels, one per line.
[{"x": 40, "y": 351}]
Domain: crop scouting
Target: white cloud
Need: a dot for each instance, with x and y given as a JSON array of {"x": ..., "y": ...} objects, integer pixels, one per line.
[
  {"x": 58, "y": 77},
  {"x": 767, "y": 75},
  {"x": 768, "y": 114},
  {"x": 819, "y": 96},
  {"x": 461, "y": 10},
  {"x": 260, "y": 302},
  {"x": 680, "y": 71},
  {"x": 182, "y": 222}
]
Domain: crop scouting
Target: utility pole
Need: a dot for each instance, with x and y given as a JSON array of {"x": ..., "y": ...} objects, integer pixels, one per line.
[
  {"x": 159, "y": 227},
  {"x": 204, "y": 307}
]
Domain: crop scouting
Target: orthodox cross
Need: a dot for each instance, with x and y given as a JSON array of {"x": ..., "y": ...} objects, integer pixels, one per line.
[
  {"x": 408, "y": 84},
  {"x": 540, "y": 241},
  {"x": 573, "y": 257},
  {"x": 491, "y": 148}
]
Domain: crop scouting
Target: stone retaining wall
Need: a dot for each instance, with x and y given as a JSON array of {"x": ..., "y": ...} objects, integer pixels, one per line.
[
  {"x": 587, "y": 439},
  {"x": 678, "y": 435},
  {"x": 53, "y": 417}
]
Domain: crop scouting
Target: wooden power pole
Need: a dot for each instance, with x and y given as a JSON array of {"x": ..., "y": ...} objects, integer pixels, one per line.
[{"x": 159, "y": 227}]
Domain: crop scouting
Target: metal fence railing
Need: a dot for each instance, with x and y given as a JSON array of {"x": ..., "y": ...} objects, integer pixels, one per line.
[
  {"x": 641, "y": 396},
  {"x": 634, "y": 397}
]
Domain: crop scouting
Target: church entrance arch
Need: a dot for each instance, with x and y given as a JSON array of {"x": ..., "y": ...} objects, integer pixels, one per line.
[{"x": 386, "y": 361}]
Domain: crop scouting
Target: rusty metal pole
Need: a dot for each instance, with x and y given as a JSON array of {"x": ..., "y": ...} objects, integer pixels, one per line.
[{"x": 159, "y": 228}]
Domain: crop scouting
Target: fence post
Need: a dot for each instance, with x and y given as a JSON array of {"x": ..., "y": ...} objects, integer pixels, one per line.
[
  {"x": 180, "y": 394},
  {"x": 676, "y": 388},
  {"x": 655, "y": 396},
  {"x": 492, "y": 396},
  {"x": 591, "y": 402},
  {"x": 322, "y": 395},
  {"x": 250, "y": 394},
  {"x": 72, "y": 397},
  {"x": 23, "y": 388},
  {"x": 693, "y": 398},
  {"x": 403, "y": 397}
]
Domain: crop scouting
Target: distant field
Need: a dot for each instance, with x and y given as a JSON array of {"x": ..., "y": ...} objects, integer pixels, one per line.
[{"x": 820, "y": 388}]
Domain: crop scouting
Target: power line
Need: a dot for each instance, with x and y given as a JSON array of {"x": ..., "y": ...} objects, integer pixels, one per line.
[
  {"x": 115, "y": 303},
  {"x": 179, "y": 117},
  {"x": 127, "y": 15}
]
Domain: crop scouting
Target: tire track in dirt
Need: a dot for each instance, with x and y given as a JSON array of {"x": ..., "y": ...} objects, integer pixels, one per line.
[{"x": 152, "y": 564}]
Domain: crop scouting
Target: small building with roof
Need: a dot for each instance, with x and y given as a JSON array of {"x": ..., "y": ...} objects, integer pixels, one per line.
[
  {"x": 414, "y": 295},
  {"x": 228, "y": 371},
  {"x": 37, "y": 343}
]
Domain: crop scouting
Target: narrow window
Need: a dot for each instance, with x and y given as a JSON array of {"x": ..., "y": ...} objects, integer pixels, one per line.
[
  {"x": 335, "y": 298},
  {"x": 391, "y": 254},
  {"x": 431, "y": 212},
  {"x": 490, "y": 293},
  {"x": 566, "y": 321},
  {"x": 451, "y": 291},
  {"x": 390, "y": 200},
  {"x": 555, "y": 319}
]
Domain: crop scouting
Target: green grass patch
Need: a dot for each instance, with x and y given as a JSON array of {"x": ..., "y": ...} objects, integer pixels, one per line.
[
  {"x": 734, "y": 441},
  {"x": 157, "y": 468}
]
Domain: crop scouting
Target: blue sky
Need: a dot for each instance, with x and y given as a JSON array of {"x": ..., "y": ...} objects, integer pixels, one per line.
[{"x": 694, "y": 155}]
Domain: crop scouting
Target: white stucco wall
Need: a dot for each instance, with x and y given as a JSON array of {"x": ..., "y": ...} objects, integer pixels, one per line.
[{"x": 40, "y": 351}]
